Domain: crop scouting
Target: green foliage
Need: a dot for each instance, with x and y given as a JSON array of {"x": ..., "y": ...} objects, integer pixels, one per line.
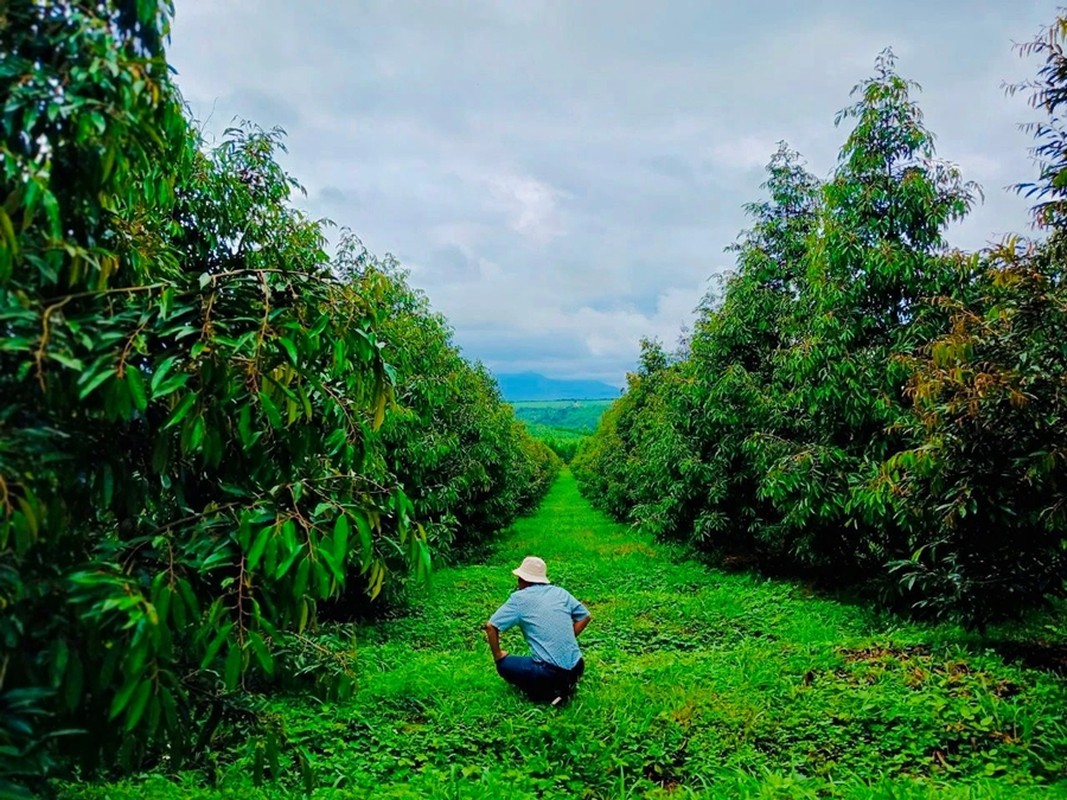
[
  {"x": 470, "y": 465},
  {"x": 878, "y": 253},
  {"x": 24, "y": 757},
  {"x": 1048, "y": 93},
  {"x": 208, "y": 431},
  {"x": 561, "y": 424},
  {"x": 565, "y": 447},
  {"x": 675, "y": 461},
  {"x": 579, "y": 416},
  {"x": 189, "y": 398},
  {"x": 699, "y": 684},
  {"x": 190, "y": 455},
  {"x": 736, "y": 392},
  {"x": 599, "y": 464},
  {"x": 863, "y": 401},
  {"x": 986, "y": 482}
]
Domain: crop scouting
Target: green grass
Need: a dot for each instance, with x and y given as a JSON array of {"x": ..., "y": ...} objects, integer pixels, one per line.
[{"x": 699, "y": 684}]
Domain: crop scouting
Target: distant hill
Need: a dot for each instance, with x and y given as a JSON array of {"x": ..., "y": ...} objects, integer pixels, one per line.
[{"x": 523, "y": 386}]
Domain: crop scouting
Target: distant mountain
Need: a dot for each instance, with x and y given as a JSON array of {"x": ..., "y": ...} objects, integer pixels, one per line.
[{"x": 517, "y": 387}]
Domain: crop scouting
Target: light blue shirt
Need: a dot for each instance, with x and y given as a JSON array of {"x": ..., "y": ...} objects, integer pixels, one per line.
[{"x": 546, "y": 614}]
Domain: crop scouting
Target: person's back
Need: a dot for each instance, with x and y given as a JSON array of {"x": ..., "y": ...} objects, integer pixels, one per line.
[
  {"x": 550, "y": 619},
  {"x": 546, "y": 615}
]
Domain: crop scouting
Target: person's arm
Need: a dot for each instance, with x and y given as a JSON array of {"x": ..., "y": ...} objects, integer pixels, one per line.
[
  {"x": 579, "y": 624},
  {"x": 580, "y": 615},
  {"x": 492, "y": 635}
]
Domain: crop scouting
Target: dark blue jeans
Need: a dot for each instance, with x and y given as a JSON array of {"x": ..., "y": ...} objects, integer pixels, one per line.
[{"x": 540, "y": 681}]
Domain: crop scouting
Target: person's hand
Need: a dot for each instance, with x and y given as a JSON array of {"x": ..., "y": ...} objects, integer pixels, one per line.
[{"x": 503, "y": 654}]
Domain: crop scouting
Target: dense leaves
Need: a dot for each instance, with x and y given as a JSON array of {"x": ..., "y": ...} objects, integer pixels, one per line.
[
  {"x": 191, "y": 456},
  {"x": 470, "y": 465},
  {"x": 984, "y": 488},
  {"x": 862, "y": 400},
  {"x": 561, "y": 424}
]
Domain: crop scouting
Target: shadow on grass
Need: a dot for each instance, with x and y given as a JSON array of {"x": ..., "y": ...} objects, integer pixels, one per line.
[{"x": 1039, "y": 655}]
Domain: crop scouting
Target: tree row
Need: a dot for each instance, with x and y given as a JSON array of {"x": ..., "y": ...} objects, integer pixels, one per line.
[
  {"x": 211, "y": 429},
  {"x": 860, "y": 400}
]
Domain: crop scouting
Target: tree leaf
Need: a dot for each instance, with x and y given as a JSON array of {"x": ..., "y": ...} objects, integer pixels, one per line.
[
  {"x": 340, "y": 537},
  {"x": 263, "y": 656},
  {"x": 259, "y": 545},
  {"x": 232, "y": 670},
  {"x": 185, "y": 405},
  {"x": 138, "y": 704},
  {"x": 135, "y": 384},
  {"x": 271, "y": 410}
]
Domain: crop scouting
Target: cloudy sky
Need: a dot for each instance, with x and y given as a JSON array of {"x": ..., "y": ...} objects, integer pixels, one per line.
[{"x": 562, "y": 177}]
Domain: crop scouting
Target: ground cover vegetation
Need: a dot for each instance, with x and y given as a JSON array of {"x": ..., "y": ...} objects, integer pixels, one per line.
[
  {"x": 209, "y": 429},
  {"x": 859, "y": 401},
  {"x": 700, "y": 683}
]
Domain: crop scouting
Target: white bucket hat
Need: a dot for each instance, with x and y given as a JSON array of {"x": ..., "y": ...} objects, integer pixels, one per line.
[{"x": 532, "y": 570}]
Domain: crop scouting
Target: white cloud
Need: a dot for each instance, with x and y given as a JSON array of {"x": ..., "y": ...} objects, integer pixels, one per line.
[
  {"x": 562, "y": 178},
  {"x": 745, "y": 153},
  {"x": 980, "y": 166},
  {"x": 530, "y": 205}
]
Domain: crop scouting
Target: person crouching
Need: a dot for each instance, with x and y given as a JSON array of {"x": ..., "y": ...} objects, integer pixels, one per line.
[{"x": 551, "y": 620}]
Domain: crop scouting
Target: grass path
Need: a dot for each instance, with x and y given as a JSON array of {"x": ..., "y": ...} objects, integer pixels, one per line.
[{"x": 698, "y": 683}]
